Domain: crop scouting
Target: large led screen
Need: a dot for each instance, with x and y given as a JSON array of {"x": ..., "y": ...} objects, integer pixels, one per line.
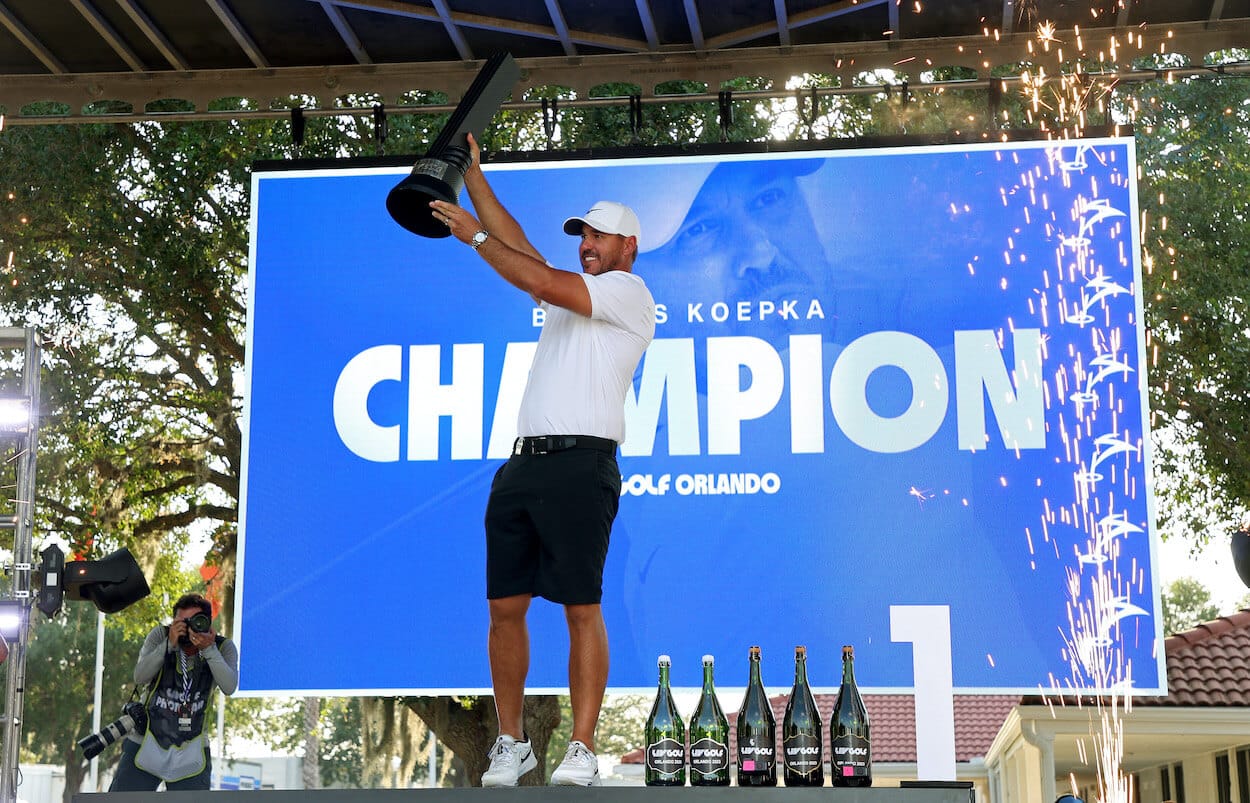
[{"x": 881, "y": 378}]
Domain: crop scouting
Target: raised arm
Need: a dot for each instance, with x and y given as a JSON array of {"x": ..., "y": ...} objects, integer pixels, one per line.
[
  {"x": 507, "y": 249},
  {"x": 494, "y": 217}
]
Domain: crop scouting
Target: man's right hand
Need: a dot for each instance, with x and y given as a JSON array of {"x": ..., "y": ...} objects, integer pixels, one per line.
[
  {"x": 475, "y": 153},
  {"x": 177, "y": 629}
]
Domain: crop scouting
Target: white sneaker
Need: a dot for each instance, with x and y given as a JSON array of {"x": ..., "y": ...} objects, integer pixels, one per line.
[
  {"x": 509, "y": 760},
  {"x": 579, "y": 767}
]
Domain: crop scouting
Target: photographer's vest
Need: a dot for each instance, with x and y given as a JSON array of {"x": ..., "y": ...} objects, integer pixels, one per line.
[{"x": 177, "y": 703}]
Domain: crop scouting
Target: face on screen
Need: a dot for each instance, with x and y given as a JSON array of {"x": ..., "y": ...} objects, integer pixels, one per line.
[{"x": 748, "y": 236}]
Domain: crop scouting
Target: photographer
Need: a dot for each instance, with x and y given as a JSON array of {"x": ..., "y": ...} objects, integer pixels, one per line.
[{"x": 180, "y": 664}]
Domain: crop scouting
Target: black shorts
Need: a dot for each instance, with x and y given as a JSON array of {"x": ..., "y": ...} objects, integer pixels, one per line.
[{"x": 547, "y": 525}]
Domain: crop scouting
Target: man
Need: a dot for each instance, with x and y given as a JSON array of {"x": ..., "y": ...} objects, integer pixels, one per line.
[
  {"x": 745, "y": 235},
  {"x": 552, "y": 504},
  {"x": 181, "y": 664}
]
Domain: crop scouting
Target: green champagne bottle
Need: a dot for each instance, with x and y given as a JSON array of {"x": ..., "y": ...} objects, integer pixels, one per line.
[
  {"x": 666, "y": 737},
  {"x": 850, "y": 745},
  {"x": 802, "y": 742},
  {"x": 709, "y": 736},
  {"x": 757, "y": 732}
]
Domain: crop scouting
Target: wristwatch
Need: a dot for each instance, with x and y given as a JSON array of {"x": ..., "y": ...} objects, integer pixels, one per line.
[{"x": 480, "y": 236}]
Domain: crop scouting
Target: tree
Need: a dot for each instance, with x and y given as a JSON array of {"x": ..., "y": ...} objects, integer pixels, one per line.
[
  {"x": 1186, "y": 604},
  {"x": 311, "y": 764},
  {"x": 1193, "y": 140},
  {"x": 64, "y": 649}
]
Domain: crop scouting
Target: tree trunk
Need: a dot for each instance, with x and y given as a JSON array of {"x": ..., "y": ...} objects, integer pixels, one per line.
[
  {"x": 468, "y": 726},
  {"x": 393, "y": 741},
  {"x": 310, "y": 767},
  {"x": 75, "y": 774},
  {"x": 377, "y": 732}
]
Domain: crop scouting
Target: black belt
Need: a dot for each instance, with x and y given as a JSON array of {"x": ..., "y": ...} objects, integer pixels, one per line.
[{"x": 544, "y": 444}]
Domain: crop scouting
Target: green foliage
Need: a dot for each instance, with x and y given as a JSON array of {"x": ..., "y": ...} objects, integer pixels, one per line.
[
  {"x": 1186, "y": 604},
  {"x": 279, "y": 724},
  {"x": 60, "y": 673},
  {"x": 1193, "y": 142},
  {"x": 341, "y": 756}
]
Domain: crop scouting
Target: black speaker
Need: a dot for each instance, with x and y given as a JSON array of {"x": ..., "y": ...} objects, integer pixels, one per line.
[
  {"x": 51, "y": 575},
  {"x": 1241, "y": 555},
  {"x": 111, "y": 583}
]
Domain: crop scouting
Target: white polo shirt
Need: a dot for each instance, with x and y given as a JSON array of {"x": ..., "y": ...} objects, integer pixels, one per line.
[{"x": 583, "y": 366}]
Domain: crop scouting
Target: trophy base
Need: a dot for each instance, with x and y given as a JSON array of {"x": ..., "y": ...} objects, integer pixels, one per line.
[{"x": 409, "y": 201}]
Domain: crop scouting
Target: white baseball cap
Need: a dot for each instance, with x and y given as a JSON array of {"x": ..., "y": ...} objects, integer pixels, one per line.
[
  {"x": 664, "y": 197},
  {"x": 608, "y": 217}
]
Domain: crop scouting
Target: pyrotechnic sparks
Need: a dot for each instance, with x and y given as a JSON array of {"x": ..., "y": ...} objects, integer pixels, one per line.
[
  {"x": 1089, "y": 525},
  {"x": 920, "y": 494}
]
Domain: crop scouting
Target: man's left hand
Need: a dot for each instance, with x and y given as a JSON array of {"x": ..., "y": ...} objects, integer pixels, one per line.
[
  {"x": 201, "y": 640},
  {"x": 459, "y": 222}
]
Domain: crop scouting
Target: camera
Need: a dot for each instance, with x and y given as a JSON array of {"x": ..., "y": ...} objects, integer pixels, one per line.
[
  {"x": 133, "y": 718},
  {"x": 200, "y": 623}
]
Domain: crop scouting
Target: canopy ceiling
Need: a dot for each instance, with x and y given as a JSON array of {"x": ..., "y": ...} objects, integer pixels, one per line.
[{"x": 79, "y": 52}]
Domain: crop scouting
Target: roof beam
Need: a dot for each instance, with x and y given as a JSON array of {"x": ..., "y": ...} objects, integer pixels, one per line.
[
  {"x": 108, "y": 34},
  {"x": 1217, "y": 11},
  {"x": 783, "y": 23},
  {"x": 236, "y": 30},
  {"x": 1008, "y": 25},
  {"x": 893, "y": 13},
  {"x": 562, "y": 28},
  {"x": 809, "y": 17},
  {"x": 696, "y": 28},
  {"x": 28, "y": 39},
  {"x": 648, "y": 24},
  {"x": 462, "y": 20},
  {"x": 453, "y": 31},
  {"x": 154, "y": 34},
  {"x": 1122, "y": 20},
  {"x": 346, "y": 33},
  {"x": 646, "y": 69}
]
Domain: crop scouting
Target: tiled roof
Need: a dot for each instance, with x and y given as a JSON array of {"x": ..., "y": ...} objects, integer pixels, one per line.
[
  {"x": 893, "y": 718},
  {"x": 1209, "y": 665}
]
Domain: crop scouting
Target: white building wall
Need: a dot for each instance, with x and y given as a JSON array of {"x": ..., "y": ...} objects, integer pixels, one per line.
[{"x": 41, "y": 783}]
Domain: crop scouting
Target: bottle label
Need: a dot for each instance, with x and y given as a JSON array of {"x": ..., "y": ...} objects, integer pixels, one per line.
[
  {"x": 802, "y": 752},
  {"x": 667, "y": 756},
  {"x": 708, "y": 757},
  {"x": 851, "y": 756},
  {"x": 755, "y": 755}
]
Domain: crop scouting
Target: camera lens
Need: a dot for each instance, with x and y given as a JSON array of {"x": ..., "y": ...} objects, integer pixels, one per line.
[
  {"x": 93, "y": 744},
  {"x": 200, "y": 623}
]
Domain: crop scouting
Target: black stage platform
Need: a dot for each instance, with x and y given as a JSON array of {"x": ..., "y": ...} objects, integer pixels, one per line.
[{"x": 561, "y": 794}]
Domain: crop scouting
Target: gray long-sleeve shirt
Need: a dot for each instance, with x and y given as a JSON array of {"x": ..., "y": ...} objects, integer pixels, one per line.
[{"x": 222, "y": 661}]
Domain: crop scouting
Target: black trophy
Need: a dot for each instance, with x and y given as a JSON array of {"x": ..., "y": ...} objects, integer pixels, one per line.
[{"x": 439, "y": 175}]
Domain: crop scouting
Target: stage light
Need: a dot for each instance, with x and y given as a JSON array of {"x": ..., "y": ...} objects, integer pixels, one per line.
[
  {"x": 12, "y": 619},
  {"x": 14, "y": 414},
  {"x": 110, "y": 583},
  {"x": 51, "y": 573}
]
